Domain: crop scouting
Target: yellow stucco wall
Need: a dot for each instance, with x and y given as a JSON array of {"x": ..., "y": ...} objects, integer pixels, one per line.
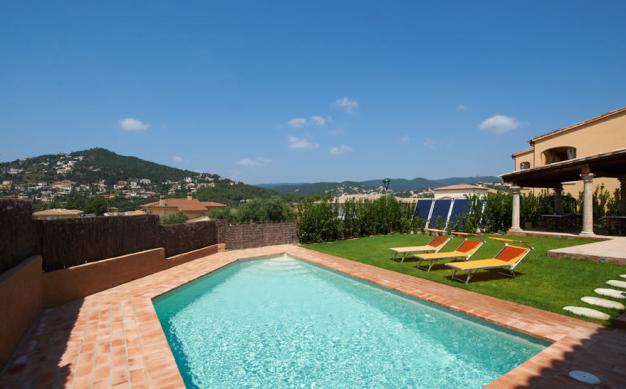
[{"x": 598, "y": 137}]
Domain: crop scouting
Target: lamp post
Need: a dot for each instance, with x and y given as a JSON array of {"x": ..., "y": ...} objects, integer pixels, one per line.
[{"x": 386, "y": 182}]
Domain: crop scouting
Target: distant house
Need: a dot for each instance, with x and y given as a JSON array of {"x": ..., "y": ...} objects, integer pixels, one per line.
[
  {"x": 461, "y": 191},
  {"x": 191, "y": 207},
  {"x": 57, "y": 213}
]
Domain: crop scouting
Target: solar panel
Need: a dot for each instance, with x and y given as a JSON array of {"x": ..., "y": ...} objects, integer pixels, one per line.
[
  {"x": 422, "y": 209},
  {"x": 440, "y": 213},
  {"x": 459, "y": 208}
]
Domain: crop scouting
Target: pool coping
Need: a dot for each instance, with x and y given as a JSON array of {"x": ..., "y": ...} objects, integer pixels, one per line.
[{"x": 114, "y": 338}]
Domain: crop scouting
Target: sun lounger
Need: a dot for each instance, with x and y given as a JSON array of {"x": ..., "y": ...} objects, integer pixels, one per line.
[
  {"x": 434, "y": 246},
  {"x": 507, "y": 259},
  {"x": 464, "y": 251}
]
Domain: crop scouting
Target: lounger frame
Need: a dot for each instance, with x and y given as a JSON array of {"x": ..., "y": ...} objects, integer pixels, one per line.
[
  {"x": 432, "y": 261},
  {"x": 510, "y": 269}
]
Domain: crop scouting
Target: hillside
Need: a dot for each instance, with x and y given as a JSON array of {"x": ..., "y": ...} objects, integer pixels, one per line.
[
  {"x": 124, "y": 181},
  {"x": 398, "y": 185}
]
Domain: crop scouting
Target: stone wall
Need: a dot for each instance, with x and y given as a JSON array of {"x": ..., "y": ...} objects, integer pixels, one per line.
[{"x": 243, "y": 236}]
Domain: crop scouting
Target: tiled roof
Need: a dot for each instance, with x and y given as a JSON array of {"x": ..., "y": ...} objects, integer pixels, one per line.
[
  {"x": 185, "y": 204},
  {"x": 579, "y": 124},
  {"x": 460, "y": 187},
  {"x": 58, "y": 212}
]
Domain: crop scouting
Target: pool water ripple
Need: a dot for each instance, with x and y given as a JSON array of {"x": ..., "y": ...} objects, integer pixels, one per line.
[{"x": 283, "y": 322}]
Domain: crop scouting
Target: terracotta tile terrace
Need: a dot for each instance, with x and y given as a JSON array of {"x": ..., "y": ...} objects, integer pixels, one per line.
[{"x": 113, "y": 339}]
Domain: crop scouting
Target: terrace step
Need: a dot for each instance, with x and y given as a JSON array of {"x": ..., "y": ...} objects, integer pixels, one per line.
[
  {"x": 617, "y": 284},
  {"x": 604, "y": 303},
  {"x": 587, "y": 312},
  {"x": 617, "y": 294}
]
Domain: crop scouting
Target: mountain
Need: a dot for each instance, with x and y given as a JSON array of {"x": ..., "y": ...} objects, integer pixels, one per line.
[
  {"x": 397, "y": 185},
  {"x": 125, "y": 181}
]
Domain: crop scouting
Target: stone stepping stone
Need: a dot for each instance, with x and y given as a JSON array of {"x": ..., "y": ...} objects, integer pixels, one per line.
[
  {"x": 623, "y": 275},
  {"x": 604, "y": 303},
  {"x": 587, "y": 312},
  {"x": 617, "y": 284},
  {"x": 617, "y": 294}
]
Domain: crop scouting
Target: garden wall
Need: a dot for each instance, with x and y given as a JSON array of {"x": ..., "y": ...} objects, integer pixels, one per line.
[
  {"x": 243, "y": 236},
  {"x": 65, "y": 285},
  {"x": 20, "y": 303},
  {"x": 181, "y": 238},
  {"x": 18, "y": 239}
]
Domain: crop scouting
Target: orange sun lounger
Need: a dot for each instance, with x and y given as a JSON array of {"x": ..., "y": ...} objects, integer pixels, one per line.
[
  {"x": 434, "y": 246},
  {"x": 507, "y": 259},
  {"x": 464, "y": 251}
]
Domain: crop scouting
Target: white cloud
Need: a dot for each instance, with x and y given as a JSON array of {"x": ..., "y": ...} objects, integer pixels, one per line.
[
  {"x": 499, "y": 124},
  {"x": 348, "y": 105},
  {"x": 133, "y": 125},
  {"x": 178, "y": 159},
  {"x": 462, "y": 108},
  {"x": 318, "y": 120},
  {"x": 301, "y": 143},
  {"x": 340, "y": 150},
  {"x": 297, "y": 122},
  {"x": 430, "y": 144},
  {"x": 315, "y": 120},
  {"x": 254, "y": 162},
  {"x": 405, "y": 139}
]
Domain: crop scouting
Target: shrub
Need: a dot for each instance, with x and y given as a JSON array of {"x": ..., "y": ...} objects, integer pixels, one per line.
[
  {"x": 174, "y": 218},
  {"x": 259, "y": 210},
  {"x": 326, "y": 220}
]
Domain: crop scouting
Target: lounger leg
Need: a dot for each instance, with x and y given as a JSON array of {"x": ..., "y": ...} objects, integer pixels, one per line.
[
  {"x": 430, "y": 266},
  {"x": 469, "y": 276},
  {"x": 452, "y": 277}
]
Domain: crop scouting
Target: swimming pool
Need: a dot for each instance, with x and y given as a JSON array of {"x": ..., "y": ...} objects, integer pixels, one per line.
[{"x": 283, "y": 322}]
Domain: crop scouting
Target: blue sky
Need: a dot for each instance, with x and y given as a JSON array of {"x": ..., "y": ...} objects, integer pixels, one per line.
[{"x": 300, "y": 91}]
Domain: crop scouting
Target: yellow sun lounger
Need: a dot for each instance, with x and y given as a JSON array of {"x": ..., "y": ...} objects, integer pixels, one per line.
[
  {"x": 435, "y": 245},
  {"x": 507, "y": 259},
  {"x": 464, "y": 251}
]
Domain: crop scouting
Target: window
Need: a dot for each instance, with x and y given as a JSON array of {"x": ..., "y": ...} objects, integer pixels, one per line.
[
  {"x": 558, "y": 154},
  {"x": 524, "y": 165}
]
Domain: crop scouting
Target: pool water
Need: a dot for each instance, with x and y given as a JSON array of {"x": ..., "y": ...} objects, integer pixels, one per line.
[{"x": 283, "y": 322}]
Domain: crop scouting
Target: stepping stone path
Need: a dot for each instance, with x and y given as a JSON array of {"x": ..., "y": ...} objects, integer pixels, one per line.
[
  {"x": 617, "y": 284},
  {"x": 604, "y": 303},
  {"x": 587, "y": 312},
  {"x": 617, "y": 294},
  {"x": 623, "y": 275}
]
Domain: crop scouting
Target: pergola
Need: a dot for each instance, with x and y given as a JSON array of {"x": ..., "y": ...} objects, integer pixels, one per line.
[{"x": 610, "y": 164}]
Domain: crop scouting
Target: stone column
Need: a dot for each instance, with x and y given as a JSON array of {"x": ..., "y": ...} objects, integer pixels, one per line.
[
  {"x": 622, "y": 198},
  {"x": 558, "y": 207},
  {"x": 587, "y": 204},
  {"x": 515, "y": 227}
]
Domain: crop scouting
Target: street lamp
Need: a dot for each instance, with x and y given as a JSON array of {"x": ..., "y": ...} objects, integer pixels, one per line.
[{"x": 386, "y": 182}]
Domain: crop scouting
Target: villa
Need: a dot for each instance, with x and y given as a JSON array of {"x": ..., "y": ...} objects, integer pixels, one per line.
[
  {"x": 575, "y": 159},
  {"x": 192, "y": 208}
]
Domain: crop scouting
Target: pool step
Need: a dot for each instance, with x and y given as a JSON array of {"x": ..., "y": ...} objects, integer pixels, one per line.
[
  {"x": 587, "y": 312},
  {"x": 617, "y": 284},
  {"x": 618, "y": 294},
  {"x": 604, "y": 303}
]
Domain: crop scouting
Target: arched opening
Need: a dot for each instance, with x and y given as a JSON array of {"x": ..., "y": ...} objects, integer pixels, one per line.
[
  {"x": 558, "y": 154},
  {"x": 524, "y": 165}
]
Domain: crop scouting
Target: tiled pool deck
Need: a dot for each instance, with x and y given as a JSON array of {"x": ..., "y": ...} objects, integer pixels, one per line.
[{"x": 113, "y": 339}]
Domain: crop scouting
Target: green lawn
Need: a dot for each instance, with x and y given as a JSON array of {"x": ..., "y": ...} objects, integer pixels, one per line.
[{"x": 542, "y": 282}]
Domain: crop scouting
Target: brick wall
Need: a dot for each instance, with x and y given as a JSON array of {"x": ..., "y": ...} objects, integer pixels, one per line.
[{"x": 242, "y": 236}]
